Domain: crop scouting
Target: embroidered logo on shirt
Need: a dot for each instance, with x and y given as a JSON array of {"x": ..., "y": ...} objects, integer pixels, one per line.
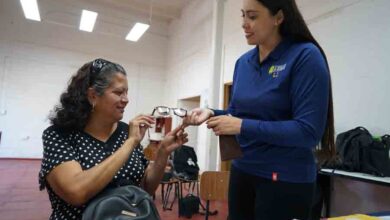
[{"x": 274, "y": 70}]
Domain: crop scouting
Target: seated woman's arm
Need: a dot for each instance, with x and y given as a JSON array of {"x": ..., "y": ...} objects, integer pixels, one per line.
[
  {"x": 76, "y": 186},
  {"x": 155, "y": 171}
]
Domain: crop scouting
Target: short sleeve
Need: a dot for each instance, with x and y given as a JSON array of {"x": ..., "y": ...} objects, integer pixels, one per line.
[{"x": 56, "y": 150}]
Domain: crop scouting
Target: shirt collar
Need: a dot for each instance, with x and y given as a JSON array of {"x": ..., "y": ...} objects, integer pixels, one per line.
[{"x": 275, "y": 54}]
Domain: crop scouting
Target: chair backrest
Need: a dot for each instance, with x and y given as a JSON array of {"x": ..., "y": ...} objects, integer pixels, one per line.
[
  {"x": 214, "y": 185},
  {"x": 151, "y": 151},
  {"x": 185, "y": 162}
]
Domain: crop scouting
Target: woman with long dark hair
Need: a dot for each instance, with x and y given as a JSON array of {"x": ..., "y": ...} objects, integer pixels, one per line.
[
  {"x": 281, "y": 113},
  {"x": 88, "y": 149}
]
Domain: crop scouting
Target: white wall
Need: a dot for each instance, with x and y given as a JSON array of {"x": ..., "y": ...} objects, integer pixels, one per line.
[
  {"x": 192, "y": 130},
  {"x": 357, "y": 42},
  {"x": 188, "y": 64},
  {"x": 38, "y": 58},
  {"x": 188, "y": 51},
  {"x": 355, "y": 36}
]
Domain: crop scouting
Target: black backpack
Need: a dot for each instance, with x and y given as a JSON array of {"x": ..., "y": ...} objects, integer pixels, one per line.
[
  {"x": 360, "y": 152},
  {"x": 376, "y": 158},
  {"x": 185, "y": 163},
  {"x": 189, "y": 205},
  {"x": 349, "y": 145}
]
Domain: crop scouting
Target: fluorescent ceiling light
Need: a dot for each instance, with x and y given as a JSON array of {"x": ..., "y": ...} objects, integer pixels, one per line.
[
  {"x": 30, "y": 9},
  {"x": 87, "y": 21},
  {"x": 137, "y": 31}
]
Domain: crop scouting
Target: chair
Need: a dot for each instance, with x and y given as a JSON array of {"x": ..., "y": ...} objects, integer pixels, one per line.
[
  {"x": 166, "y": 194},
  {"x": 214, "y": 186},
  {"x": 150, "y": 153},
  {"x": 186, "y": 171},
  {"x": 170, "y": 182}
]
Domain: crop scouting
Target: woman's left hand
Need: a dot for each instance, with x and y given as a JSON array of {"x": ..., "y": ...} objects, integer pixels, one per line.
[
  {"x": 173, "y": 140},
  {"x": 225, "y": 125}
]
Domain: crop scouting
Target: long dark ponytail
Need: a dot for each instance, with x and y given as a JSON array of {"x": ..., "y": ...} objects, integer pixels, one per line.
[{"x": 294, "y": 26}]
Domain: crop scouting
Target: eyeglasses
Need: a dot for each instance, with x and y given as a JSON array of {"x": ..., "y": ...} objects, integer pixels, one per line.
[
  {"x": 164, "y": 111},
  {"x": 97, "y": 66}
]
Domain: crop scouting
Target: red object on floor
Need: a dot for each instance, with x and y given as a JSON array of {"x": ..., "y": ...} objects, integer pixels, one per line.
[{"x": 20, "y": 197}]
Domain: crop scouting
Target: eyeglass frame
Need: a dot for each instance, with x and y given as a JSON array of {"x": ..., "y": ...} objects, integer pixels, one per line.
[
  {"x": 97, "y": 65},
  {"x": 173, "y": 110}
]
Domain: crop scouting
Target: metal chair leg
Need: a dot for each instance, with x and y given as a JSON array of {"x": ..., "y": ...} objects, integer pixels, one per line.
[
  {"x": 166, "y": 197},
  {"x": 175, "y": 196},
  {"x": 162, "y": 193},
  {"x": 207, "y": 209}
]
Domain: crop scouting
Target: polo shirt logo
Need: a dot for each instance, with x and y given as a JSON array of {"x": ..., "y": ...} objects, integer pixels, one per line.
[{"x": 274, "y": 70}]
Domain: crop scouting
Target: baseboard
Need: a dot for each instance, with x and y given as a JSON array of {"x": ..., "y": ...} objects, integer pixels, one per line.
[{"x": 21, "y": 158}]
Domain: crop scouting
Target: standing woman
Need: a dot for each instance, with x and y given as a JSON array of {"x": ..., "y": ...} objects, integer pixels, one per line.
[{"x": 281, "y": 109}]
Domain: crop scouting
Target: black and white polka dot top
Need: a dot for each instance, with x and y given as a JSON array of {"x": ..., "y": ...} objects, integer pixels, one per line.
[{"x": 59, "y": 147}]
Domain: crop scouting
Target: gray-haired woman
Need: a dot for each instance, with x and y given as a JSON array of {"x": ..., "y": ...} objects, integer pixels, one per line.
[{"x": 87, "y": 148}]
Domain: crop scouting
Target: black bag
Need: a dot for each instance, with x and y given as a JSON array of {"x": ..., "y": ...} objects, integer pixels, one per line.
[
  {"x": 359, "y": 152},
  {"x": 386, "y": 140},
  {"x": 189, "y": 205},
  {"x": 349, "y": 145},
  {"x": 185, "y": 163},
  {"x": 376, "y": 158},
  {"x": 122, "y": 203}
]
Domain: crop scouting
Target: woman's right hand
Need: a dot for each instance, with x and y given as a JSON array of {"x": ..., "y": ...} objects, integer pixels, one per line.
[
  {"x": 139, "y": 125},
  {"x": 197, "y": 116}
]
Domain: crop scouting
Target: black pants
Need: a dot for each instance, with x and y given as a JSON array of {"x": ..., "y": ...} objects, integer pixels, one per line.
[{"x": 252, "y": 197}]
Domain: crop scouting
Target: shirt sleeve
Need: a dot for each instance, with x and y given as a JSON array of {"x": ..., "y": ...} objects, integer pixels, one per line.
[
  {"x": 56, "y": 150},
  {"x": 309, "y": 94}
]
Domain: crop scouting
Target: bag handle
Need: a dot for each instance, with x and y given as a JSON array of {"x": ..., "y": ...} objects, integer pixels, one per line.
[
  {"x": 386, "y": 136},
  {"x": 120, "y": 183},
  {"x": 361, "y": 128}
]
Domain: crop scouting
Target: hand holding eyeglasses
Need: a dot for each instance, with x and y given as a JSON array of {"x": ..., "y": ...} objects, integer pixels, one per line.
[
  {"x": 177, "y": 136},
  {"x": 139, "y": 125},
  {"x": 173, "y": 140},
  {"x": 163, "y": 112},
  {"x": 166, "y": 111},
  {"x": 197, "y": 116}
]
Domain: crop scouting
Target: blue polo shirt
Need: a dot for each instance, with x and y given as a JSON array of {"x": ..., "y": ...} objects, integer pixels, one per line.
[{"x": 283, "y": 102}]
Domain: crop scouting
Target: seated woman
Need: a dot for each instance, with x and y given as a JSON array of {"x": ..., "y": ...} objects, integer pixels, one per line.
[{"x": 88, "y": 148}]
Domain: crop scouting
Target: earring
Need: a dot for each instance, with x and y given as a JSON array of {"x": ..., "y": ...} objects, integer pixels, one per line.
[{"x": 93, "y": 107}]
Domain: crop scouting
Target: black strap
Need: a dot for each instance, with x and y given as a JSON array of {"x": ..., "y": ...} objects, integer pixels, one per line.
[{"x": 118, "y": 183}]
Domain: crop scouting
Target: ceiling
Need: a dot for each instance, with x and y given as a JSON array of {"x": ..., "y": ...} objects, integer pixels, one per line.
[
  {"x": 115, "y": 16},
  {"x": 162, "y": 9}
]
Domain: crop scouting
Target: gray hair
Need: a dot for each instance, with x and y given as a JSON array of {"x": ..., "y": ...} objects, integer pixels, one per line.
[{"x": 103, "y": 79}]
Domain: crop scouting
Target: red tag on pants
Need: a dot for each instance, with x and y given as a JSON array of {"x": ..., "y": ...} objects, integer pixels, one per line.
[{"x": 274, "y": 177}]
